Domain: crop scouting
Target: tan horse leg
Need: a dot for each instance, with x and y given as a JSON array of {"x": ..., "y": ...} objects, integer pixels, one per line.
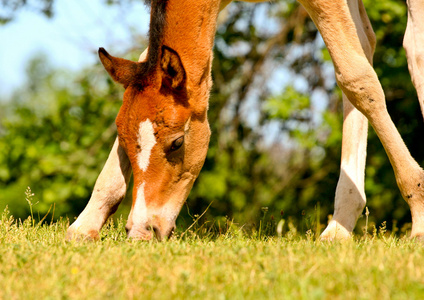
[
  {"x": 343, "y": 31},
  {"x": 350, "y": 193},
  {"x": 414, "y": 45}
]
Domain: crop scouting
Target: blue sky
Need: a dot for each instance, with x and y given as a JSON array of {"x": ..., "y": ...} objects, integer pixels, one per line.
[{"x": 70, "y": 39}]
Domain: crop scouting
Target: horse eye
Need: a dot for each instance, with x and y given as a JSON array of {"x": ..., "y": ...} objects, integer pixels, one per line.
[{"x": 177, "y": 143}]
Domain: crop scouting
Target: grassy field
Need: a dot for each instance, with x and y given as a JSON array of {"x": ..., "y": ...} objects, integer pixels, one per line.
[{"x": 36, "y": 263}]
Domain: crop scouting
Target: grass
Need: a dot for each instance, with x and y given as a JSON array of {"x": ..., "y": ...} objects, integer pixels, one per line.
[{"x": 36, "y": 263}]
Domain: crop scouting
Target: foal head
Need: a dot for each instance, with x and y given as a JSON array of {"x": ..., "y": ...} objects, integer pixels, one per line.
[{"x": 163, "y": 128}]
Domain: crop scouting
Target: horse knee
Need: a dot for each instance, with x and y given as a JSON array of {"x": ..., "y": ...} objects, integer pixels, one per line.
[{"x": 359, "y": 82}]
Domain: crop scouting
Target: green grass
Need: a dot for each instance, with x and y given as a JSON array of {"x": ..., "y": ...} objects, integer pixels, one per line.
[{"x": 36, "y": 263}]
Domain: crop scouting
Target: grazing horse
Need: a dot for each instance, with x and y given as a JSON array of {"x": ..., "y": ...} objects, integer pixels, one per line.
[{"x": 163, "y": 131}]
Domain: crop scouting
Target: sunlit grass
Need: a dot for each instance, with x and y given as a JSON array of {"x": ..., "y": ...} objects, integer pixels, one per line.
[{"x": 37, "y": 263}]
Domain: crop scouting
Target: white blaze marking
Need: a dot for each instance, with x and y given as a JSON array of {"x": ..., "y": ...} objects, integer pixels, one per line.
[
  {"x": 140, "y": 209},
  {"x": 146, "y": 139}
]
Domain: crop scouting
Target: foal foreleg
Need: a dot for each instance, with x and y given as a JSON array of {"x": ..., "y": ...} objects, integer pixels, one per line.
[
  {"x": 109, "y": 190},
  {"x": 413, "y": 43}
]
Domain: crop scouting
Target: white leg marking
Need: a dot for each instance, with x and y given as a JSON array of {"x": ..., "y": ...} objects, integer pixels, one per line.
[{"x": 146, "y": 140}]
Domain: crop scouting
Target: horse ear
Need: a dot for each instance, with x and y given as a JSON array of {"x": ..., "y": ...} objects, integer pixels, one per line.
[
  {"x": 121, "y": 70},
  {"x": 173, "y": 75}
]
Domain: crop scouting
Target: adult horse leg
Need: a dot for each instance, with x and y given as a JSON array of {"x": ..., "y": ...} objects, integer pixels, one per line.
[
  {"x": 413, "y": 43},
  {"x": 341, "y": 27},
  {"x": 350, "y": 192}
]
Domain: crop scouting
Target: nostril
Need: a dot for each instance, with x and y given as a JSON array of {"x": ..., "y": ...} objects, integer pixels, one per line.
[
  {"x": 150, "y": 228},
  {"x": 171, "y": 232},
  {"x": 155, "y": 230},
  {"x": 159, "y": 232}
]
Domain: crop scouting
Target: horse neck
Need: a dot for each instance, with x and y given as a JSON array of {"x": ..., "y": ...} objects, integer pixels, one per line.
[{"x": 190, "y": 31}]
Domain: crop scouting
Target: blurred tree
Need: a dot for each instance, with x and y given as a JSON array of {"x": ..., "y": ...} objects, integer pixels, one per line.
[
  {"x": 9, "y": 8},
  {"x": 299, "y": 167},
  {"x": 270, "y": 153},
  {"x": 55, "y": 136}
]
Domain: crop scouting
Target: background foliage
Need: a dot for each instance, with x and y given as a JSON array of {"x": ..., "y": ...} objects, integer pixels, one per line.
[{"x": 275, "y": 113}]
